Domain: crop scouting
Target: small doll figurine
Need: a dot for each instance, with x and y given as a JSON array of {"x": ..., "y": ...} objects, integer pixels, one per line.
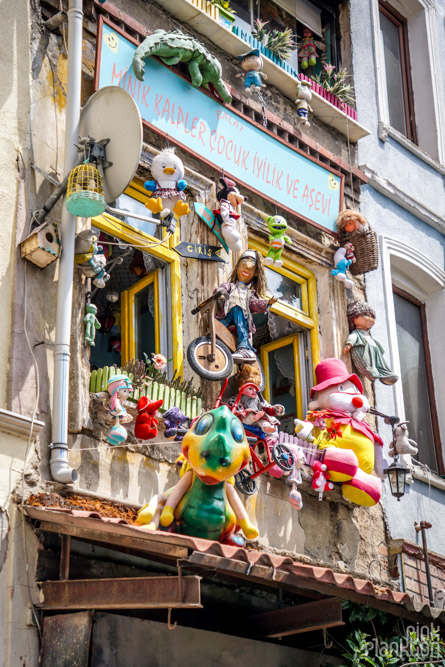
[
  {"x": 228, "y": 213},
  {"x": 341, "y": 265},
  {"x": 90, "y": 259},
  {"x": 257, "y": 415},
  {"x": 252, "y": 64},
  {"x": 350, "y": 221},
  {"x": 244, "y": 295},
  {"x": 307, "y": 53},
  {"x": 91, "y": 323},
  {"x": 320, "y": 479},
  {"x": 119, "y": 387},
  {"x": 146, "y": 424},
  {"x": 366, "y": 353},
  {"x": 304, "y": 96},
  {"x": 166, "y": 190},
  {"x": 277, "y": 238}
]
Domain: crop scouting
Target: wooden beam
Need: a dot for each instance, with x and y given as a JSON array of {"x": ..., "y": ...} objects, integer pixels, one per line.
[
  {"x": 127, "y": 593},
  {"x": 299, "y": 618}
]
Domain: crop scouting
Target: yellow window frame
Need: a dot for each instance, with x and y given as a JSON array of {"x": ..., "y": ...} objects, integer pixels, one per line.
[
  {"x": 307, "y": 317},
  {"x": 294, "y": 340},
  {"x": 140, "y": 240},
  {"x": 128, "y": 307}
]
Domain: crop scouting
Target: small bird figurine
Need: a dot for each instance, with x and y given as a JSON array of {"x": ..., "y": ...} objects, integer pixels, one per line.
[
  {"x": 166, "y": 190},
  {"x": 146, "y": 424}
]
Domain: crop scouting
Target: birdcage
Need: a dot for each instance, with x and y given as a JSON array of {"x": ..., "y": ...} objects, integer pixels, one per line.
[{"x": 85, "y": 192}]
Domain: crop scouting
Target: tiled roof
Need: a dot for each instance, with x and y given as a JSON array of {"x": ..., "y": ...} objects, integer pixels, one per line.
[{"x": 238, "y": 562}]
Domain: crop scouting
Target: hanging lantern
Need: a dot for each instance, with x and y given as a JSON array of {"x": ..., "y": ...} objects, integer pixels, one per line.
[
  {"x": 397, "y": 478},
  {"x": 85, "y": 192}
]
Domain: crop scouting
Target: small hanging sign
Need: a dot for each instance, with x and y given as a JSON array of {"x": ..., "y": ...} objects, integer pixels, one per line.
[{"x": 199, "y": 251}]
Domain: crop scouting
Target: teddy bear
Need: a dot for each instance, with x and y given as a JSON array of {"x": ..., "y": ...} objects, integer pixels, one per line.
[
  {"x": 146, "y": 424},
  {"x": 174, "y": 418},
  {"x": 351, "y": 449}
]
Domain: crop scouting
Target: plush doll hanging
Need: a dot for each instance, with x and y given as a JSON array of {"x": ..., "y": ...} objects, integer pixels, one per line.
[
  {"x": 244, "y": 295},
  {"x": 307, "y": 53},
  {"x": 304, "y": 96},
  {"x": 89, "y": 258},
  {"x": 229, "y": 214},
  {"x": 351, "y": 448},
  {"x": 146, "y": 424},
  {"x": 252, "y": 64},
  {"x": 91, "y": 323},
  {"x": 119, "y": 387},
  {"x": 166, "y": 190},
  {"x": 341, "y": 265},
  {"x": 277, "y": 238},
  {"x": 366, "y": 353}
]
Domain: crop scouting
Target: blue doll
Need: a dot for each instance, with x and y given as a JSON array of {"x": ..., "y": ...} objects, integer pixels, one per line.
[
  {"x": 252, "y": 64},
  {"x": 341, "y": 265}
]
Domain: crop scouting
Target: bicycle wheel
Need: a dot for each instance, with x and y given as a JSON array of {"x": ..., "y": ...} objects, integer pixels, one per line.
[
  {"x": 245, "y": 483},
  {"x": 283, "y": 457},
  {"x": 197, "y": 355}
]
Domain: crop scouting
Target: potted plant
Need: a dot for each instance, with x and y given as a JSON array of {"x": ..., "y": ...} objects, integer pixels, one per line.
[
  {"x": 226, "y": 13},
  {"x": 279, "y": 43},
  {"x": 336, "y": 84}
]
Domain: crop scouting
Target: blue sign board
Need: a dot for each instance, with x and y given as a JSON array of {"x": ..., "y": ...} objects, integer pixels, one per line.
[{"x": 230, "y": 142}]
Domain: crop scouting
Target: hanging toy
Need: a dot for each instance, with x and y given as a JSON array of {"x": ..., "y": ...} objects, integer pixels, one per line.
[
  {"x": 252, "y": 64},
  {"x": 401, "y": 443},
  {"x": 350, "y": 252},
  {"x": 307, "y": 53},
  {"x": 277, "y": 238},
  {"x": 119, "y": 387},
  {"x": 320, "y": 479},
  {"x": 228, "y": 214},
  {"x": 146, "y": 424},
  {"x": 166, "y": 190},
  {"x": 89, "y": 258},
  {"x": 341, "y": 265},
  {"x": 91, "y": 323},
  {"x": 174, "y": 418},
  {"x": 304, "y": 96}
]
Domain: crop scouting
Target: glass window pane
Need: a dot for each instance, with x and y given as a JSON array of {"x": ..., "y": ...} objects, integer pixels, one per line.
[
  {"x": 393, "y": 68},
  {"x": 414, "y": 378},
  {"x": 284, "y": 288},
  {"x": 127, "y": 203},
  {"x": 144, "y": 312},
  {"x": 282, "y": 384}
]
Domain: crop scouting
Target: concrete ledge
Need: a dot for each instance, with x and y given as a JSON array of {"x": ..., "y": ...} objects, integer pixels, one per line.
[{"x": 18, "y": 425}]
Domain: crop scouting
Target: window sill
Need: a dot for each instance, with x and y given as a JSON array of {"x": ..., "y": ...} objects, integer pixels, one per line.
[
  {"x": 18, "y": 425},
  {"x": 186, "y": 11},
  {"x": 386, "y": 131},
  {"x": 428, "y": 477}
]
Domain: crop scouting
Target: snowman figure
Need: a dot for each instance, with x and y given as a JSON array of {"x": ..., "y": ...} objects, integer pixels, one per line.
[{"x": 166, "y": 191}]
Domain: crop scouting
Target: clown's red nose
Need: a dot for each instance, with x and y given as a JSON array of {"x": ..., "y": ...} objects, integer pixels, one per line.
[{"x": 357, "y": 402}]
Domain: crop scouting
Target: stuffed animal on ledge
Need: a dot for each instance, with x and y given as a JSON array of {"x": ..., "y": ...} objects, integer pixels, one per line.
[
  {"x": 252, "y": 64},
  {"x": 204, "y": 502},
  {"x": 401, "y": 443},
  {"x": 277, "y": 238},
  {"x": 351, "y": 448},
  {"x": 174, "y": 418},
  {"x": 146, "y": 424},
  {"x": 91, "y": 323},
  {"x": 229, "y": 214},
  {"x": 89, "y": 258},
  {"x": 119, "y": 387},
  {"x": 307, "y": 53},
  {"x": 244, "y": 295},
  {"x": 304, "y": 96},
  {"x": 366, "y": 353},
  {"x": 341, "y": 265},
  {"x": 166, "y": 190}
]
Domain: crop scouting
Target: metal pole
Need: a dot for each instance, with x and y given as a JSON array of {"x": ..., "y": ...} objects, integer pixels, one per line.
[
  {"x": 60, "y": 470},
  {"x": 422, "y": 527}
]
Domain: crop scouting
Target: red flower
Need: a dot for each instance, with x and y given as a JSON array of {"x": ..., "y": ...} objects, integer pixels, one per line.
[{"x": 334, "y": 430}]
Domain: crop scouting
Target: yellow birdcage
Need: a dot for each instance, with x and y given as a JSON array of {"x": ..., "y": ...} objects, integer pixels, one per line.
[{"x": 85, "y": 192}]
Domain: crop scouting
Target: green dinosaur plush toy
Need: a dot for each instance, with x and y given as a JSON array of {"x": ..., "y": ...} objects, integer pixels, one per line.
[{"x": 277, "y": 238}]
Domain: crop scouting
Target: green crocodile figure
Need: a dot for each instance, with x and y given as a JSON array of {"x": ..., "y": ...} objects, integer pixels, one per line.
[
  {"x": 204, "y": 502},
  {"x": 277, "y": 226},
  {"x": 176, "y": 47}
]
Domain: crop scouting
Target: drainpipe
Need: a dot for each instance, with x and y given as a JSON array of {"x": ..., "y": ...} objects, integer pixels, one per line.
[
  {"x": 422, "y": 527},
  {"x": 60, "y": 469}
]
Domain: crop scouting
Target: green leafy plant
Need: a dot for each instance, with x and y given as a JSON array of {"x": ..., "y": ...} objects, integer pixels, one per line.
[
  {"x": 225, "y": 4},
  {"x": 337, "y": 83},
  {"x": 281, "y": 44}
]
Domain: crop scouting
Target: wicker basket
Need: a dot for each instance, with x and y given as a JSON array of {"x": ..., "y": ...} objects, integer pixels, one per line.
[{"x": 366, "y": 251}]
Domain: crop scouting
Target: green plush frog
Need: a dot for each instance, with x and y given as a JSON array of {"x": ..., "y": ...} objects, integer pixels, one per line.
[{"x": 277, "y": 238}]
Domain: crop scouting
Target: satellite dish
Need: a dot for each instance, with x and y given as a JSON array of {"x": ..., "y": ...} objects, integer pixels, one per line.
[{"x": 111, "y": 113}]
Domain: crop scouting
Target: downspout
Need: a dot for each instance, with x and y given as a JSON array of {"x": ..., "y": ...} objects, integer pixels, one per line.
[{"x": 60, "y": 469}]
